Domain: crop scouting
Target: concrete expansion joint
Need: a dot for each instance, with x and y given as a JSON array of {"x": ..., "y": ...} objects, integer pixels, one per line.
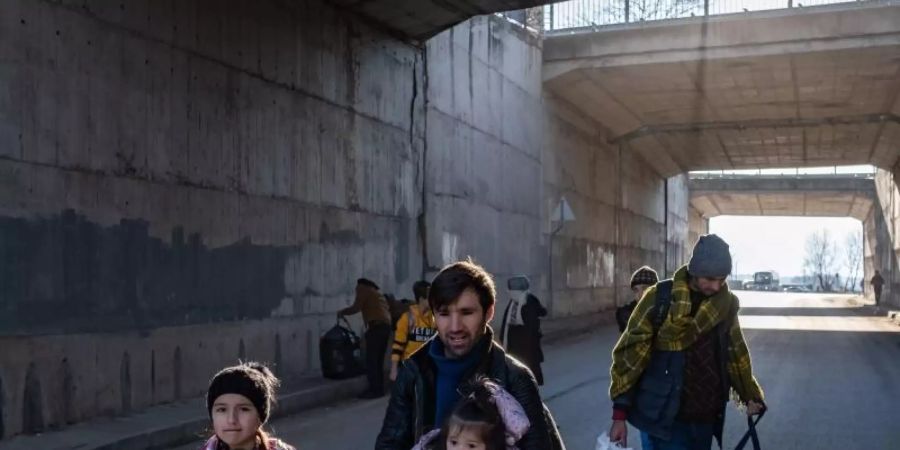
[
  {"x": 653, "y": 129},
  {"x": 179, "y": 179}
]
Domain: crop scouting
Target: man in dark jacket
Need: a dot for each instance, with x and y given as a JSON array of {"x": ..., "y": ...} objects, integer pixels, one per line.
[{"x": 462, "y": 297}]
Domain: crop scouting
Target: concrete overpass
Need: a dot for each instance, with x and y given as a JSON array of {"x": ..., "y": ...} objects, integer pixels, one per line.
[
  {"x": 789, "y": 88},
  {"x": 421, "y": 19},
  {"x": 809, "y": 196},
  {"x": 802, "y": 87}
]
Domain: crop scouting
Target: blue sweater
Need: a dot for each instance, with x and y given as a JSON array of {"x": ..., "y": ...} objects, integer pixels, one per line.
[{"x": 448, "y": 377}]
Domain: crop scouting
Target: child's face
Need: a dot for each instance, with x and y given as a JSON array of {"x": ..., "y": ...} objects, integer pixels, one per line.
[
  {"x": 638, "y": 290},
  {"x": 465, "y": 439},
  {"x": 235, "y": 421}
]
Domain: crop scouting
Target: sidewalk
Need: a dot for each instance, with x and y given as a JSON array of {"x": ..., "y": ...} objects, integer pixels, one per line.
[{"x": 165, "y": 426}]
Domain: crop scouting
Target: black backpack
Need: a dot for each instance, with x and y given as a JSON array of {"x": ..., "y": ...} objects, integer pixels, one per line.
[{"x": 339, "y": 352}]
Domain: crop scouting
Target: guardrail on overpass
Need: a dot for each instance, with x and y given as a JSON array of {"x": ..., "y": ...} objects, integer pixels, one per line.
[{"x": 576, "y": 15}]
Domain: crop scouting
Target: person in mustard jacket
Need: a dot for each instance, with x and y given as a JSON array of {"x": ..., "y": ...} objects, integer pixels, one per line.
[{"x": 413, "y": 329}]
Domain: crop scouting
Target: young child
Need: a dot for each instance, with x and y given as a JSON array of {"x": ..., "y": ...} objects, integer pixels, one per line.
[
  {"x": 487, "y": 417},
  {"x": 239, "y": 400},
  {"x": 414, "y": 328}
]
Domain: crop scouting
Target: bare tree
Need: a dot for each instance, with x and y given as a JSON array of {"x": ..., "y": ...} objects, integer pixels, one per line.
[
  {"x": 641, "y": 10},
  {"x": 589, "y": 13},
  {"x": 853, "y": 257},
  {"x": 821, "y": 255}
]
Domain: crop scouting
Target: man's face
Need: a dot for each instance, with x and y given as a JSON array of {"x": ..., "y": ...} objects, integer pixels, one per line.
[
  {"x": 462, "y": 323},
  {"x": 638, "y": 290},
  {"x": 708, "y": 286}
]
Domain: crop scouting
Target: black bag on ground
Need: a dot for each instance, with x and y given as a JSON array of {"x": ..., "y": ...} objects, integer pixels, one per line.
[{"x": 339, "y": 353}]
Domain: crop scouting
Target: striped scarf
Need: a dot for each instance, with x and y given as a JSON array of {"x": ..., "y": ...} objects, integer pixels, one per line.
[{"x": 678, "y": 332}]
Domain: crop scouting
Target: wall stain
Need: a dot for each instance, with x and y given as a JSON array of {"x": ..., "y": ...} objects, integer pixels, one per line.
[{"x": 65, "y": 274}]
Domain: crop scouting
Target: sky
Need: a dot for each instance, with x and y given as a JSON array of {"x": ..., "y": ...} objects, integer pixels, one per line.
[{"x": 776, "y": 243}]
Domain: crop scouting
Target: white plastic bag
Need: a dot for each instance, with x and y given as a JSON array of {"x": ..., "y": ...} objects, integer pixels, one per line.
[{"x": 603, "y": 443}]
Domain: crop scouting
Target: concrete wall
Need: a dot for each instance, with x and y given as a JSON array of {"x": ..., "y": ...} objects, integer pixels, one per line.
[
  {"x": 620, "y": 208},
  {"x": 679, "y": 242},
  {"x": 483, "y": 155},
  {"x": 517, "y": 152},
  {"x": 697, "y": 226},
  {"x": 880, "y": 247},
  {"x": 188, "y": 183},
  {"x": 197, "y": 181}
]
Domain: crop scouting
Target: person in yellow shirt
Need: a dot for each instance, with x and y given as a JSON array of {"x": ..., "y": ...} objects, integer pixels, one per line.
[{"x": 414, "y": 328}]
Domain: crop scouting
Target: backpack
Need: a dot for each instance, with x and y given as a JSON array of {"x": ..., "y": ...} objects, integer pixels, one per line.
[
  {"x": 396, "y": 308},
  {"x": 662, "y": 304}
]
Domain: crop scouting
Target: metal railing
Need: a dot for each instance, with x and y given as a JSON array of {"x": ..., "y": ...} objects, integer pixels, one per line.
[{"x": 598, "y": 13}]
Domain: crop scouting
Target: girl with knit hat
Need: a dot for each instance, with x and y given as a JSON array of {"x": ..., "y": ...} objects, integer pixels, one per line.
[{"x": 239, "y": 401}]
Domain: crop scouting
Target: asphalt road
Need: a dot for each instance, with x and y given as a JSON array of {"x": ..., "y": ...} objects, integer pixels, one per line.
[{"x": 830, "y": 369}]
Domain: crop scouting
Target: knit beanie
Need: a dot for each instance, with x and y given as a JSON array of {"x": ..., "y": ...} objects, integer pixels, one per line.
[
  {"x": 645, "y": 275},
  {"x": 252, "y": 380},
  {"x": 711, "y": 258}
]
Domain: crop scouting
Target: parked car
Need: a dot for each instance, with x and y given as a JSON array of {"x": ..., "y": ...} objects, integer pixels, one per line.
[{"x": 794, "y": 288}]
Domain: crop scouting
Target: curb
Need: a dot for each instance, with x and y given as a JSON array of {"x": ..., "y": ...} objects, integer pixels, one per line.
[
  {"x": 185, "y": 426},
  {"x": 193, "y": 430}
]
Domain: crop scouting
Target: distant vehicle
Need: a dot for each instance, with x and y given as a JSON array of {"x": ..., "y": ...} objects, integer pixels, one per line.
[
  {"x": 766, "y": 281},
  {"x": 794, "y": 288}
]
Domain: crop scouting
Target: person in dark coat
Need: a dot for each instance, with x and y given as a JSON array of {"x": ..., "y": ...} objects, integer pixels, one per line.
[
  {"x": 641, "y": 279},
  {"x": 878, "y": 286},
  {"x": 524, "y": 341}
]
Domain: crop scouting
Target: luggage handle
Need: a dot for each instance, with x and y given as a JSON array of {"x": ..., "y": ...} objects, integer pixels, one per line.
[
  {"x": 751, "y": 432},
  {"x": 348, "y": 330}
]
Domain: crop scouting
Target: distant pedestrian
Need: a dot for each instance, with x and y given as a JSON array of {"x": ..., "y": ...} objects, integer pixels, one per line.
[
  {"x": 239, "y": 401},
  {"x": 521, "y": 326},
  {"x": 641, "y": 279},
  {"x": 375, "y": 312},
  {"x": 877, "y": 285}
]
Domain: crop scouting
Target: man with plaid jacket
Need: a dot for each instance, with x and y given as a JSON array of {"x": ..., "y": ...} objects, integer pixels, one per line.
[{"x": 681, "y": 356}]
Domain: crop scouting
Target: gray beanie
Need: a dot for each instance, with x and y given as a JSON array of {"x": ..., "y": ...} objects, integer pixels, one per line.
[{"x": 711, "y": 258}]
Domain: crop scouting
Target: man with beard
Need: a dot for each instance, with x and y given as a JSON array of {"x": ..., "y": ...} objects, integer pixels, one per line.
[{"x": 462, "y": 297}]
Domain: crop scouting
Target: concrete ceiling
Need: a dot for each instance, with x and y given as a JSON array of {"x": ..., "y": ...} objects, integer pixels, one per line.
[
  {"x": 790, "y": 88},
  {"x": 759, "y": 196},
  {"x": 421, "y": 19}
]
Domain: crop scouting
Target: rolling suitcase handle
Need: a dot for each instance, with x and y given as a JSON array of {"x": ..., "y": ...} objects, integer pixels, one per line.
[{"x": 751, "y": 432}]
